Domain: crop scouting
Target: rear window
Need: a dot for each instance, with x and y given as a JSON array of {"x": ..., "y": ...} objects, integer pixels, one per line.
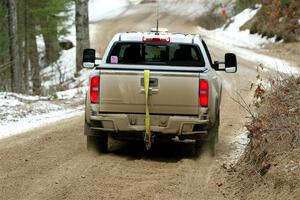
[{"x": 173, "y": 54}]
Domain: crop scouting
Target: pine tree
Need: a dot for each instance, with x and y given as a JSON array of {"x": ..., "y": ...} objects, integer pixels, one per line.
[
  {"x": 47, "y": 15},
  {"x": 33, "y": 18},
  {"x": 82, "y": 31},
  {"x": 4, "y": 49},
  {"x": 3, "y": 33},
  {"x": 43, "y": 19},
  {"x": 16, "y": 69}
]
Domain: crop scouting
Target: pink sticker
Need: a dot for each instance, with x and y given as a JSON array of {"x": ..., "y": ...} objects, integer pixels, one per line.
[{"x": 114, "y": 60}]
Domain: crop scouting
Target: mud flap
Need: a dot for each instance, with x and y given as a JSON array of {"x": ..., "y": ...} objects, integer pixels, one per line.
[{"x": 148, "y": 134}]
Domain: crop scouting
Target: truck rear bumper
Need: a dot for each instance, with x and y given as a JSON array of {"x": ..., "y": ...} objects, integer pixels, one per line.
[{"x": 184, "y": 126}]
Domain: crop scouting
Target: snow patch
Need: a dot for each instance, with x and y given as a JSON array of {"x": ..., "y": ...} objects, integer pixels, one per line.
[
  {"x": 62, "y": 70},
  {"x": 21, "y": 113},
  {"x": 241, "y": 42},
  {"x": 22, "y": 97},
  {"x": 10, "y": 102},
  {"x": 233, "y": 35},
  {"x": 240, "y": 19},
  {"x": 29, "y": 123},
  {"x": 72, "y": 93},
  {"x": 269, "y": 62},
  {"x": 239, "y": 144}
]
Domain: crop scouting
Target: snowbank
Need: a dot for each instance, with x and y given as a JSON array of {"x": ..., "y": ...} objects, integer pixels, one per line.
[
  {"x": 243, "y": 43},
  {"x": 21, "y": 113},
  {"x": 232, "y": 35}
]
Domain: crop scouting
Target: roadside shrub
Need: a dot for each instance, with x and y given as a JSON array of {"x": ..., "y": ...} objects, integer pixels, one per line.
[
  {"x": 275, "y": 129},
  {"x": 277, "y": 18},
  {"x": 270, "y": 166}
]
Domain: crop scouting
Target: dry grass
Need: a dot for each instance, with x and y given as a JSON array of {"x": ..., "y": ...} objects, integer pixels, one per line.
[
  {"x": 270, "y": 167},
  {"x": 276, "y": 127}
]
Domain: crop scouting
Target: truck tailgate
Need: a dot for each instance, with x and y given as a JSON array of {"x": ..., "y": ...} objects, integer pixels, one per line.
[{"x": 170, "y": 92}]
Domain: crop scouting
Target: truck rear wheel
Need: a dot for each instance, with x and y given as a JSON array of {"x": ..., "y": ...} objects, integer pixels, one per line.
[
  {"x": 213, "y": 136},
  {"x": 97, "y": 143},
  {"x": 209, "y": 144}
]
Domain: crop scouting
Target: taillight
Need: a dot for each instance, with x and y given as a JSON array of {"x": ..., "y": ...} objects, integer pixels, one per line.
[
  {"x": 203, "y": 93},
  {"x": 94, "y": 89}
]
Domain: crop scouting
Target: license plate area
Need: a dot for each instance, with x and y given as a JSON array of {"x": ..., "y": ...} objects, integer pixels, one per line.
[{"x": 139, "y": 120}]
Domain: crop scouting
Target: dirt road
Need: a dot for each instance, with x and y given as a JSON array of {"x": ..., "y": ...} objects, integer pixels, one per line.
[{"x": 52, "y": 163}]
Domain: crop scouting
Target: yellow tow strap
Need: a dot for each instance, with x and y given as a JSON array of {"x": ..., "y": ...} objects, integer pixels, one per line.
[{"x": 148, "y": 135}]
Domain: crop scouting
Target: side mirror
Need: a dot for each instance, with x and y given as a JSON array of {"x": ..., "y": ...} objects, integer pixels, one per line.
[
  {"x": 230, "y": 63},
  {"x": 216, "y": 65},
  {"x": 89, "y": 57}
]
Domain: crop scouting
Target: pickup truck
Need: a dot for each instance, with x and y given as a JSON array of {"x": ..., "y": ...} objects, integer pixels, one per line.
[{"x": 153, "y": 86}]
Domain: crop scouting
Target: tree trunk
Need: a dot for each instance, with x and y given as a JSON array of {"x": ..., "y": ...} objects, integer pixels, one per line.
[
  {"x": 26, "y": 56},
  {"x": 35, "y": 66},
  {"x": 14, "y": 49},
  {"x": 51, "y": 42},
  {"x": 82, "y": 31},
  {"x": 22, "y": 8}
]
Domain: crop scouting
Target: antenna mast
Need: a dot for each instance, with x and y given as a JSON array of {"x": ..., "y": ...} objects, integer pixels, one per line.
[{"x": 157, "y": 15}]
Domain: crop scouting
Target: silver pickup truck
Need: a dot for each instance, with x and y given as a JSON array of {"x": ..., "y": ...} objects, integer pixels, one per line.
[{"x": 153, "y": 86}]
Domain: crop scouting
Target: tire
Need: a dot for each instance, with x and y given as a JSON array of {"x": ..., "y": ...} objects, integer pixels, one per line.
[
  {"x": 213, "y": 136},
  {"x": 198, "y": 146},
  {"x": 99, "y": 144},
  {"x": 212, "y": 140}
]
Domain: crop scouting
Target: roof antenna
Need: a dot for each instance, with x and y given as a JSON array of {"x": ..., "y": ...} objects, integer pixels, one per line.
[{"x": 157, "y": 15}]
